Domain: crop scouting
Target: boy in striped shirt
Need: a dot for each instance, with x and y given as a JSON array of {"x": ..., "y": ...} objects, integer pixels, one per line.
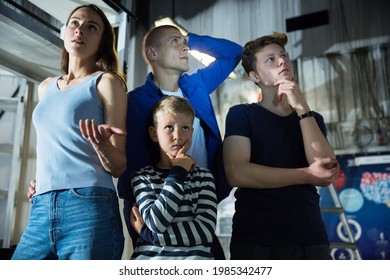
[{"x": 176, "y": 205}]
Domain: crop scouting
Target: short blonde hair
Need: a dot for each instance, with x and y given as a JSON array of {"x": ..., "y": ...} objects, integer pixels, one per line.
[{"x": 171, "y": 105}]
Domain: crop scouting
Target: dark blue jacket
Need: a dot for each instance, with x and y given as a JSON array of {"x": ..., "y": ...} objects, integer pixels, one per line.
[{"x": 197, "y": 88}]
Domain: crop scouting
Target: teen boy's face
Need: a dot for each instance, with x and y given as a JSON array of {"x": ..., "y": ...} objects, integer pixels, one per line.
[
  {"x": 273, "y": 64},
  {"x": 172, "y": 132}
]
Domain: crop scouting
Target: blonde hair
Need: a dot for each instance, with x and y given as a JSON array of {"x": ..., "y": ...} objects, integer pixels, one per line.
[{"x": 171, "y": 105}]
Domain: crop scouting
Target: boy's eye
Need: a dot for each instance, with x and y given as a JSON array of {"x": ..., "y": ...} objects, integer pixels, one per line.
[
  {"x": 186, "y": 128},
  {"x": 169, "y": 127}
]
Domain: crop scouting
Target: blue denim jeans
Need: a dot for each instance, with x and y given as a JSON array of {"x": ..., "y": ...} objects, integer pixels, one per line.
[{"x": 74, "y": 224}]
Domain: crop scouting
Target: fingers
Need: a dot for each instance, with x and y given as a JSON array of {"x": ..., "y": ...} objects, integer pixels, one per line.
[
  {"x": 136, "y": 212},
  {"x": 181, "y": 158},
  {"x": 185, "y": 147},
  {"x": 181, "y": 152},
  {"x": 95, "y": 133},
  {"x": 284, "y": 82},
  {"x": 133, "y": 218},
  {"x": 292, "y": 91},
  {"x": 136, "y": 220},
  {"x": 284, "y": 87},
  {"x": 325, "y": 171},
  {"x": 185, "y": 161},
  {"x": 31, "y": 189},
  {"x": 90, "y": 130},
  {"x": 328, "y": 162},
  {"x": 133, "y": 215}
]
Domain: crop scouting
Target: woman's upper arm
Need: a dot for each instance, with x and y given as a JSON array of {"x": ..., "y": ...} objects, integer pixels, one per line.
[{"x": 112, "y": 92}]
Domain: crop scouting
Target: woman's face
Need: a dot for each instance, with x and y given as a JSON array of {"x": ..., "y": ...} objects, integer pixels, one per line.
[
  {"x": 273, "y": 64},
  {"x": 83, "y": 33}
]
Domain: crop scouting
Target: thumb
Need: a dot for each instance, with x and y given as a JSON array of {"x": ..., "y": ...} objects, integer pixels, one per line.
[
  {"x": 117, "y": 131},
  {"x": 136, "y": 212}
]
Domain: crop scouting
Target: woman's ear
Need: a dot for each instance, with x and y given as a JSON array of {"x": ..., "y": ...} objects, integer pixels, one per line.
[
  {"x": 253, "y": 77},
  {"x": 153, "y": 134}
]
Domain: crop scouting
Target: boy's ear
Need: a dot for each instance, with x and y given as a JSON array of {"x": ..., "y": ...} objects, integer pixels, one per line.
[
  {"x": 153, "y": 134},
  {"x": 151, "y": 53},
  {"x": 254, "y": 77}
]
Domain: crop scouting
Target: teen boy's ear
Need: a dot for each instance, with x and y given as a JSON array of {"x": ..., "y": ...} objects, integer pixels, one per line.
[{"x": 253, "y": 77}]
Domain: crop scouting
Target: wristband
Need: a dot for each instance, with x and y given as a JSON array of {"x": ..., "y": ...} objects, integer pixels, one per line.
[{"x": 306, "y": 115}]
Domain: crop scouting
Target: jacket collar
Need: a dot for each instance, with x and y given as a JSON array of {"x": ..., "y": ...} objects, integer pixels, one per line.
[
  {"x": 155, "y": 91},
  {"x": 152, "y": 89}
]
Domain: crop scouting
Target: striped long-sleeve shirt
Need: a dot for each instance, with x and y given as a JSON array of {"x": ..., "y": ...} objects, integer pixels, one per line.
[{"x": 179, "y": 209}]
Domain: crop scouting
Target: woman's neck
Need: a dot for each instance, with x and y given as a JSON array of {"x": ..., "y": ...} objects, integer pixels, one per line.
[{"x": 75, "y": 74}]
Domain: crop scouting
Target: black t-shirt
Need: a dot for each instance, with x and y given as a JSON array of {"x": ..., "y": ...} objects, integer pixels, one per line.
[{"x": 280, "y": 216}]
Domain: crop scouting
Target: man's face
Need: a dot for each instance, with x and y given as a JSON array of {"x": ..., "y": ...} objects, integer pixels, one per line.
[{"x": 172, "y": 52}]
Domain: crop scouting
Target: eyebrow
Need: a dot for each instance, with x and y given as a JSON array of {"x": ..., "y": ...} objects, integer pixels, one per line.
[
  {"x": 91, "y": 21},
  {"x": 178, "y": 37},
  {"x": 175, "y": 37},
  {"x": 268, "y": 55},
  {"x": 275, "y": 53}
]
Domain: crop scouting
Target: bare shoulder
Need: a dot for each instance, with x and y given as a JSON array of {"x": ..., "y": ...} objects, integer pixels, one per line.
[
  {"x": 111, "y": 81},
  {"x": 43, "y": 86}
]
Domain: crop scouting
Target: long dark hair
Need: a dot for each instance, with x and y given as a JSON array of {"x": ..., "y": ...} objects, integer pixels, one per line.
[{"x": 107, "y": 57}]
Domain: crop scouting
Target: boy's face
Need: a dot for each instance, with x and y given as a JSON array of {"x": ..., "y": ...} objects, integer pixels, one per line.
[
  {"x": 172, "y": 132},
  {"x": 273, "y": 63}
]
